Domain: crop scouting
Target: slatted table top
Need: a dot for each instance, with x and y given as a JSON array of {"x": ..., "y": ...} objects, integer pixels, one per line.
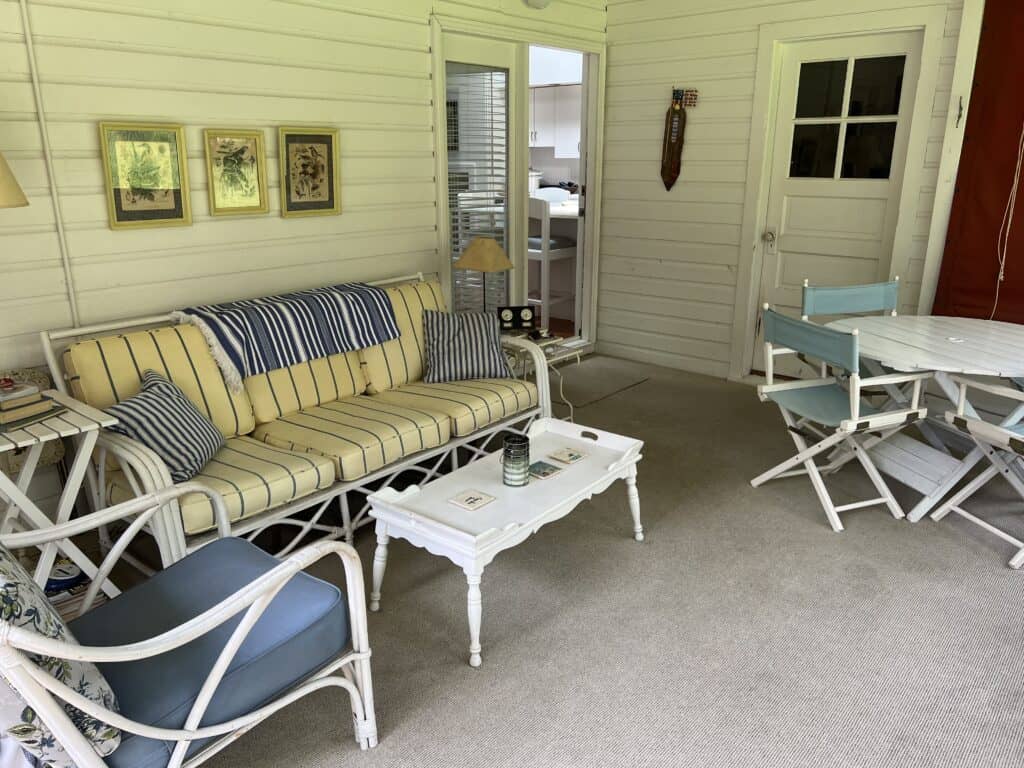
[
  {"x": 76, "y": 420},
  {"x": 951, "y": 344}
]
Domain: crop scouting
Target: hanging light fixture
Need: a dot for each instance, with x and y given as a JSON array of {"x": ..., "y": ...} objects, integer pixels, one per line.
[{"x": 11, "y": 194}]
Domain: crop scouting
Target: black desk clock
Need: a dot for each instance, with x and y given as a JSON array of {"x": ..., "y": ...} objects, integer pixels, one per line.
[{"x": 516, "y": 318}]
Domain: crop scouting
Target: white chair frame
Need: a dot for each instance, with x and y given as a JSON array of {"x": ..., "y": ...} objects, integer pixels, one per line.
[
  {"x": 147, "y": 473},
  {"x": 845, "y": 437},
  {"x": 1003, "y": 449},
  {"x": 44, "y": 693},
  {"x": 540, "y": 210}
]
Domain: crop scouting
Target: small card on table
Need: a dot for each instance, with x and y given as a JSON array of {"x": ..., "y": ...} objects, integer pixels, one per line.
[
  {"x": 472, "y": 500},
  {"x": 567, "y": 455},
  {"x": 542, "y": 470}
]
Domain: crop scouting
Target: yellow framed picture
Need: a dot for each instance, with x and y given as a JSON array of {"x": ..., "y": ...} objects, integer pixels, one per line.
[
  {"x": 146, "y": 175},
  {"x": 310, "y": 174},
  {"x": 236, "y": 171}
]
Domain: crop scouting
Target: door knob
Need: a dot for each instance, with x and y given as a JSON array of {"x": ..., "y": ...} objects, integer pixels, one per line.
[{"x": 770, "y": 240}]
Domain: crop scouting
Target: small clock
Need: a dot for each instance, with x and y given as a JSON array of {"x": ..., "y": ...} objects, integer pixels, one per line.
[{"x": 516, "y": 318}]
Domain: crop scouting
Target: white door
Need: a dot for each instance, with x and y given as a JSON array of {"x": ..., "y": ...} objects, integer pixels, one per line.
[{"x": 839, "y": 150}]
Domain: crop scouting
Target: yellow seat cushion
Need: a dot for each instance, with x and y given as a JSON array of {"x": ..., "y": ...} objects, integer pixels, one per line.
[
  {"x": 282, "y": 391},
  {"x": 358, "y": 434},
  {"x": 402, "y": 360},
  {"x": 251, "y": 477},
  {"x": 105, "y": 371},
  {"x": 471, "y": 405}
]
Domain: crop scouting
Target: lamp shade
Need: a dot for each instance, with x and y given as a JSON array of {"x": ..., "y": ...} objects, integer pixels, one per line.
[
  {"x": 483, "y": 254},
  {"x": 11, "y": 195}
]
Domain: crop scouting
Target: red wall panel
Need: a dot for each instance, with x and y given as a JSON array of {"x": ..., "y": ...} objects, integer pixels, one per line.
[{"x": 970, "y": 266}]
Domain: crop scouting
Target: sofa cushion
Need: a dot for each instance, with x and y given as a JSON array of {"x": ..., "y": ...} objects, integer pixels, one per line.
[
  {"x": 107, "y": 370},
  {"x": 163, "y": 419},
  {"x": 282, "y": 391},
  {"x": 305, "y": 627},
  {"x": 464, "y": 345},
  {"x": 251, "y": 476},
  {"x": 402, "y": 360},
  {"x": 25, "y": 605},
  {"x": 358, "y": 434},
  {"x": 470, "y": 405}
]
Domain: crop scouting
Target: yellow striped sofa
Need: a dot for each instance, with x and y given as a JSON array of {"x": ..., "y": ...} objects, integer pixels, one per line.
[{"x": 295, "y": 438}]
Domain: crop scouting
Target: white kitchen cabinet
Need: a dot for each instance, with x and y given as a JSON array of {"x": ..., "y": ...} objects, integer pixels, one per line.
[
  {"x": 543, "y": 130},
  {"x": 568, "y": 104}
]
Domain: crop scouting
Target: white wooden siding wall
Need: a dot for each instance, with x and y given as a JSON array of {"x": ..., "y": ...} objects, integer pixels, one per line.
[
  {"x": 357, "y": 64},
  {"x": 669, "y": 259}
]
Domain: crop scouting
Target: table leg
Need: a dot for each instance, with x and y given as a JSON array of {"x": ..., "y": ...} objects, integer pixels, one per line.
[
  {"x": 28, "y": 470},
  {"x": 474, "y": 609},
  {"x": 634, "y": 503},
  {"x": 380, "y": 562},
  {"x": 72, "y": 486}
]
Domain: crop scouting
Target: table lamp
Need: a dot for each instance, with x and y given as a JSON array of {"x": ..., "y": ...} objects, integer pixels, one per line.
[
  {"x": 484, "y": 255},
  {"x": 11, "y": 195}
]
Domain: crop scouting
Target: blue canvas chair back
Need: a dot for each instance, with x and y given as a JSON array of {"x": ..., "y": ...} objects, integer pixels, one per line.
[
  {"x": 850, "y": 299},
  {"x": 821, "y": 343}
]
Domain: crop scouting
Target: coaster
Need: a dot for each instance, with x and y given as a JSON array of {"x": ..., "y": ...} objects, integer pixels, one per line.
[
  {"x": 542, "y": 470},
  {"x": 567, "y": 455},
  {"x": 471, "y": 500}
]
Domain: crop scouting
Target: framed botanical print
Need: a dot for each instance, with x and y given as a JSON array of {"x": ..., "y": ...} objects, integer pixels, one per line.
[
  {"x": 146, "y": 174},
  {"x": 236, "y": 171},
  {"x": 310, "y": 177}
]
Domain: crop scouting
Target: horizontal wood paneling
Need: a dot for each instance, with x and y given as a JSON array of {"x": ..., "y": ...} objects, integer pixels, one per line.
[
  {"x": 669, "y": 258},
  {"x": 357, "y": 64}
]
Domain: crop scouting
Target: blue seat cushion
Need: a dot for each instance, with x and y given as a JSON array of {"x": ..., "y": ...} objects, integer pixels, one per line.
[
  {"x": 828, "y": 404},
  {"x": 305, "y": 627},
  {"x": 554, "y": 243}
]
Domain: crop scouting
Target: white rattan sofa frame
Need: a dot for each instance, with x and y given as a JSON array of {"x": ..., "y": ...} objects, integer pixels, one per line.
[
  {"x": 44, "y": 693},
  {"x": 147, "y": 473}
]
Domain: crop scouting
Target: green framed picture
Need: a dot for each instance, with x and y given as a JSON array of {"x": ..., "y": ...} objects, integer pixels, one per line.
[
  {"x": 310, "y": 177},
  {"x": 146, "y": 175},
  {"x": 236, "y": 171}
]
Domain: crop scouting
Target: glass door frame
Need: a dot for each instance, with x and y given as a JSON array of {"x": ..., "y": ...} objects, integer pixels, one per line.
[{"x": 454, "y": 39}]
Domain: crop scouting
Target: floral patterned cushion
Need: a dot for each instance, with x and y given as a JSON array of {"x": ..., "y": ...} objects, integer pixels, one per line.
[{"x": 23, "y": 604}]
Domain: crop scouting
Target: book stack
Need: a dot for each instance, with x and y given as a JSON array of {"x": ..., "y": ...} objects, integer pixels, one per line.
[
  {"x": 66, "y": 589},
  {"x": 22, "y": 404}
]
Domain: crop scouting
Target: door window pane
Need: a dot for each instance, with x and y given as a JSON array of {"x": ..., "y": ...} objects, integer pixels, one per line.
[
  {"x": 868, "y": 150},
  {"x": 877, "y": 84},
  {"x": 820, "y": 93},
  {"x": 814, "y": 150}
]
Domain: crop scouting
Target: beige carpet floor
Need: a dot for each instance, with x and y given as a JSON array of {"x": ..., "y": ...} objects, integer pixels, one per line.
[{"x": 742, "y": 632}]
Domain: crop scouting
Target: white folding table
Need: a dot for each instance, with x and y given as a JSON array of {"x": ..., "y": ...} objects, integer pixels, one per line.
[
  {"x": 78, "y": 421},
  {"x": 943, "y": 345}
]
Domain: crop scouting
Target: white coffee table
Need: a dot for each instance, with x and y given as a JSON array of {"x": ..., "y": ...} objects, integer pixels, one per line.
[{"x": 425, "y": 517}]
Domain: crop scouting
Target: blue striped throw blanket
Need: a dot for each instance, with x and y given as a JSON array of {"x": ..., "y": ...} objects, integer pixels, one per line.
[{"x": 254, "y": 336}]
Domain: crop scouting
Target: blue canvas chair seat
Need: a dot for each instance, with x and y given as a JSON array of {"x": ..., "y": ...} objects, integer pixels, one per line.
[
  {"x": 1002, "y": 445},
  {"x": 828, "y": 404},
  {"x": 304, "y": 628},
  {"x": 810, "y": 407}
]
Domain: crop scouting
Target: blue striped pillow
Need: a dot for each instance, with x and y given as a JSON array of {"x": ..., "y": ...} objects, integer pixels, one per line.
[
  {"x": 463, "y": 346},
  {"x": 162, "y": 418}
]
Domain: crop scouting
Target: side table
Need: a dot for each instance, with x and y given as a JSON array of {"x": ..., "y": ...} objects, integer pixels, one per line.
[{"x": 78, "y": 421}]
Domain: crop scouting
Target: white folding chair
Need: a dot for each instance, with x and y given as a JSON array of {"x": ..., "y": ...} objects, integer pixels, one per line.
[
  {"x": 1003, "y": 446},
  {"x": 821, "y": 414}
]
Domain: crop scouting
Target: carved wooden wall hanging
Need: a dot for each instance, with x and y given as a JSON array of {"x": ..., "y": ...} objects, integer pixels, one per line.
[{"x": 675, "y": 128}]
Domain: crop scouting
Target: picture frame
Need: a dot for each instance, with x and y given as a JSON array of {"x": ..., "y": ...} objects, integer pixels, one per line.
[
  {"x": 145, "y": 171},
  {"x": 236, "y": 171},
  {"x": 310, "y": 173}
]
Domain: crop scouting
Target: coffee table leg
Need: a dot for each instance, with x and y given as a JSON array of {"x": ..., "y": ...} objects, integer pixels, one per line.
[
  {"x": 380, "y": 562},
  {"x": 634, "y": 503},
  {"x": 474, "y": 608}
]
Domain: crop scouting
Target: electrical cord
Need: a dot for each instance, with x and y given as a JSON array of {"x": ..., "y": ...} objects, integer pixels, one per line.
[{"x": 1003, "y": 240}]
